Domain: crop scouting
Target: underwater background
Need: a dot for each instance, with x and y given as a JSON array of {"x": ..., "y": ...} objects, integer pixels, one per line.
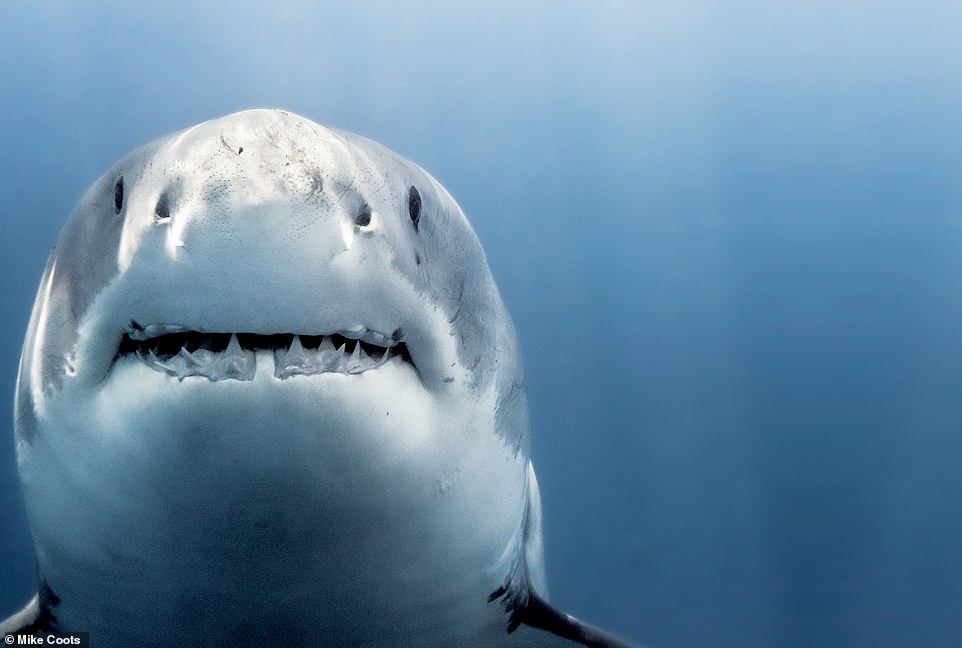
[{"x": 729, "y": 234}]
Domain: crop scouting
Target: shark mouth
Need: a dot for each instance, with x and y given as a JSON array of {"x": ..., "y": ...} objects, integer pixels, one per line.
[{"x": 182, "y": 353}]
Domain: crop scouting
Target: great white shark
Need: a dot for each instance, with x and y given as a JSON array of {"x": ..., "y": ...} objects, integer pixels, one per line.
[{"x": 270, "y": 395}]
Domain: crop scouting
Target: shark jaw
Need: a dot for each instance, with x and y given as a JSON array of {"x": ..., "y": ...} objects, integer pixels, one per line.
[{"x": 181, "y": 353}]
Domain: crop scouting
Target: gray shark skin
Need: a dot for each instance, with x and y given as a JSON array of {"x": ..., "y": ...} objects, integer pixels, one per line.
[{"x": 270, "y": 395}]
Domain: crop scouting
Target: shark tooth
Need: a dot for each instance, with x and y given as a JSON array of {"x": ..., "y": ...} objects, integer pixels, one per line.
[
  {"x": 356, "y": 361},
  {"x": 385, "y": 356},
  {"x": 337, "y": 362},
  {"x": 234, "y": 362},
  {"x": 176, "y": 366},
  {"x": 328, "y": 358},
  {"x": 188, "y": 364},
  {"x": 295, "y": 361},
  {"x": 155, "y": 363}
]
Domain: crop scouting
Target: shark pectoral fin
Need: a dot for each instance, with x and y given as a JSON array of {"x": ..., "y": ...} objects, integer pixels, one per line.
[
  {"x": 524, "y": 594},
  {"x": 24, "y": 621},
  {"x": 541, "y": 615}
]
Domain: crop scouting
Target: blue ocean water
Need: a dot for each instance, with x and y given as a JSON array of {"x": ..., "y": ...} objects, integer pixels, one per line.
[{"x": 729, "y": 235}]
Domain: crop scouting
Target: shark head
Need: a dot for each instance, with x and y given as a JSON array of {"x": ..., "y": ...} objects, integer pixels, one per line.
[
  {"x": 267, "y": 368},
  {"x": 262, "y": 224}
]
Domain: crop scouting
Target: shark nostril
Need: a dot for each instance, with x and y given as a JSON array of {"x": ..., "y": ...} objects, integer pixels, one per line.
[{"x": 162, "y": 210}]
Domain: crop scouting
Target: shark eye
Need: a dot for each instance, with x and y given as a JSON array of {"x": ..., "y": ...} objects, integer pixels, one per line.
[
  {"x": 363, "y": 219},
  {"x": 414, "y": 206},
  {"x": 119, "y": 195}
]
